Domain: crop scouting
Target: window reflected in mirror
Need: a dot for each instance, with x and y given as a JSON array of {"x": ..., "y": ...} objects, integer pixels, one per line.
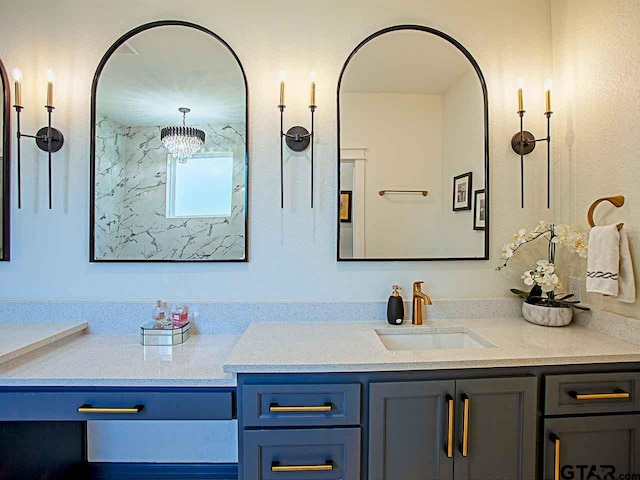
[
  {"x": 413, "y": 152},
  {"x": 201, "y": 187},
  {"x": 169, "y": 163}
]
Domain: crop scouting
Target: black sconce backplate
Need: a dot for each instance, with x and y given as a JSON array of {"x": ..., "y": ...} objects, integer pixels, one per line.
[
  {"x": 298, "y": 139},
  {"x": 523, "y": 146},
  {"x": 57, "y": 139}
]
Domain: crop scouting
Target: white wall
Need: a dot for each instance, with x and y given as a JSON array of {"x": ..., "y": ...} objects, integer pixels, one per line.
[
  {"x": 50, "y": 248},
  {"x": 403, "y": 137},
  {"x": 462, "y": 152},
  {"x": 596, "y": 100}
]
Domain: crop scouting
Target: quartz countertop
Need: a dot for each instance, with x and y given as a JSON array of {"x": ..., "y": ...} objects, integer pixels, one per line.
[
  {"x": 355, "y": 346},
  {"x": 120, "y": 360},
  {"x": 21, "y": 338}
]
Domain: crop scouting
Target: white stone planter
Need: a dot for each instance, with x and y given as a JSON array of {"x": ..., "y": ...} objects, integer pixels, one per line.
[{"x": 547, "y": 316}]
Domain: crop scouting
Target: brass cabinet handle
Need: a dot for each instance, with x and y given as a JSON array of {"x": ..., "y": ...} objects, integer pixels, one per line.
[
  {"x": 327, "y": 467},
  {"x": 317, "y": 408},
  {"x": 465, "y": 426},
  {"x": 90, "y": 409},
  {"x": 618, "y": 394},
  {"x": 556, "y": 467},
  {"x": 450, "y": 427}
]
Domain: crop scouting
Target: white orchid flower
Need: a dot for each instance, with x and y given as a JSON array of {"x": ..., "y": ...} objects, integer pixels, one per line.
[
  {"x": 560, "y": 233},
  {"x": 548, "y": 282},
  {"x": 528, "y": 279},
  {"x": 507, "y": 251},
  {"x": 542, "y": 226},
  {"x": 578, "y": 242},
  {"x": 545, "y": 267},
  {"x": 521, "y": 237},
  {"x": 544, "y": 273}
]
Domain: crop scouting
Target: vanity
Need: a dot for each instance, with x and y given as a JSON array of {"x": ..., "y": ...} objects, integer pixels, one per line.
[
  {"x": 453, "y": 399},
  {"x": 360, "y": 405}
]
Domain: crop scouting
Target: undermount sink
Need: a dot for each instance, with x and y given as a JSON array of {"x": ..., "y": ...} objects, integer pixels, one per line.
[{"x": 431, "y": 339}]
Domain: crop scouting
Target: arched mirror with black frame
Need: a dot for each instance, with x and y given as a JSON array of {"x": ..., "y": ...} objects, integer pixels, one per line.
[
  {"x": 169, "y": 148},
  {"x": 5, "y": 167},
  {"x": 413, "y": 143}
]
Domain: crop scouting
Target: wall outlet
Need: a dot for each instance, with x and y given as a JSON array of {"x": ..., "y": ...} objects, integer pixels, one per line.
[{"x": 575, "y": 287}]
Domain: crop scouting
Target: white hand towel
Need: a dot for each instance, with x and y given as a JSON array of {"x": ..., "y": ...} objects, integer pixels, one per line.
[
  {"x": 609, "y": 267},
  {"x": 626, "y": 280}
]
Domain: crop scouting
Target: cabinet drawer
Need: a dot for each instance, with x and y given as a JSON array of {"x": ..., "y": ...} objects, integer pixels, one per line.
[
  {"x": 592, "y": 393},
  {"x": 144, "y": 404},
  {"x": 300, "y": 405},
  {"x": 313, "y": 454}
]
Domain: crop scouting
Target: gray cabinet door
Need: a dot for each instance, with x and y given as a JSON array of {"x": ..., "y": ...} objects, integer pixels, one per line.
[
  {"x": 605, "y": 447},
  {"x": 409, "y": 430},
  {"x": 500, "y": 429}
]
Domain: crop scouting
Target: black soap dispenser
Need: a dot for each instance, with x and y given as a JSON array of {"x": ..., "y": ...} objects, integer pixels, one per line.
[{"x": 395, "y": 307}]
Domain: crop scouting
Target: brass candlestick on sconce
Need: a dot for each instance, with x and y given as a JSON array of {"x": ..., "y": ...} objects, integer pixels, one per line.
[
  {"x": 48, "y": 139},
  {"x": 524, "y": 142},
  {"x": 297, "y": 138}
]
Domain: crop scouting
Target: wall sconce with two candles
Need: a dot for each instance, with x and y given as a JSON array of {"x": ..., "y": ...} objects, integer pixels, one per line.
[
  {"x": 48, "y": 139},
  {"x": 524, "y": 142},
  {"x": 297, "y": 138}
]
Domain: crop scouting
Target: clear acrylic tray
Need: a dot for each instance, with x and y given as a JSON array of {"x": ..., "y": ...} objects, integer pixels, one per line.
[{"x": 152, "y": 335}]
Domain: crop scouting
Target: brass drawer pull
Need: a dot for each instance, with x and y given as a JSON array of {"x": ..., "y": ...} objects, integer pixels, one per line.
[
  {"x": 450, "y": 427},
  {"x": 327, "y": 467},
  {"x": 465, "y": 426},
  {"x": 317, "y": 408},
  {"x": 90, "y": 409},
  {"x": 556, "y": 464},
  {"x": 618, "y": 394}
]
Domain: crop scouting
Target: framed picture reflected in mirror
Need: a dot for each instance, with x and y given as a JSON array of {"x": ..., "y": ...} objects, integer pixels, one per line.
[
  {"x": 462, "y": 192},
  {"x": 345, "y": 206},
  {"x": 479, "y": 210}
]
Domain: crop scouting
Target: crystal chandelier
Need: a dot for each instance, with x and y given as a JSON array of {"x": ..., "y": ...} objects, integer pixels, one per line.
[{"x": 182, "y": 141}]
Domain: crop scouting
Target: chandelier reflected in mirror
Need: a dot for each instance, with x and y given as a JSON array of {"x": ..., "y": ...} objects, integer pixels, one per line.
[{"x": 182, "y": 141}]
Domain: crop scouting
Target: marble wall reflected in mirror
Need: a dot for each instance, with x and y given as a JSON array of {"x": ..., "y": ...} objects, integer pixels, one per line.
[
  {"x": 413, "y": 143},
  {"x": 169, "y": 195},
  {"x": 5, "y": 144}
]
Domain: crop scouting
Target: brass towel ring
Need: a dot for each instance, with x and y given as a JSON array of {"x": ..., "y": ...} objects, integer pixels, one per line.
[{"x": 616, "y": 200}]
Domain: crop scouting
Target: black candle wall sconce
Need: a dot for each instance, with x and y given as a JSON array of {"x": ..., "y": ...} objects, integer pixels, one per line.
[
  {"x": 524, "y": 142},
  {"x": 47, "y": 139},
  {"x": 297, "y": 138}
]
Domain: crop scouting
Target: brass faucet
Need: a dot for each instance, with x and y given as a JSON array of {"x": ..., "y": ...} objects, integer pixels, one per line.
[{"x": 418, "y": 298}]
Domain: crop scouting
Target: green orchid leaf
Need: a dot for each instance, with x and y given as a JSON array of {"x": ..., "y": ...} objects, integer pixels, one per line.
[
  {"x": 564, "y": 297},
  {"x": 520, "y": 293},
  {"x": 579, "y": 307}
]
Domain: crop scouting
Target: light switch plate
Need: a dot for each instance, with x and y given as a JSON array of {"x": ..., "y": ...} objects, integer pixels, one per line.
[{"x": 575, "y": 287}]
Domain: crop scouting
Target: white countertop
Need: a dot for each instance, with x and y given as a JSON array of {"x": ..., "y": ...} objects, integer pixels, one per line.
[
  {"x": 120, "y": 360},
  {"x": 20, "y": 338},
  {"x": 293, "y": 347},
  {"x": 355, "y": 346}
]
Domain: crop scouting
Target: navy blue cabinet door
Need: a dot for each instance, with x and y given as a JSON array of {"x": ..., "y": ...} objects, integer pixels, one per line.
[
  {"x": 301, "y": 454},
  {"x": 496, "y": 429},
  {"x": 42, "y": 450},
  {"x": 409, "y": 430},
  {"x": 583, "y": 448}
]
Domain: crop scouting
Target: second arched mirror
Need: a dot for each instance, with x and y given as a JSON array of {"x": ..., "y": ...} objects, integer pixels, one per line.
[
  {"x": 413, "y": 143},
  {"x": 5, "y": 143},
  {"x": 169, "y": 148}
]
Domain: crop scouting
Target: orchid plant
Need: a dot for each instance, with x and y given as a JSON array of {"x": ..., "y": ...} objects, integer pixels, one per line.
[{"x": 545, "y": 284}]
